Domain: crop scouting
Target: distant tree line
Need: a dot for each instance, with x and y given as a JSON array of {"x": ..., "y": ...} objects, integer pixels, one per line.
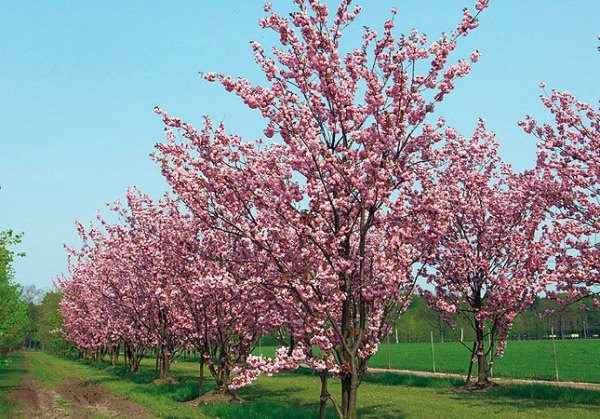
[
  {"x": 581, "y": 319},
  {"x": 46, "y": 322},
  {"x": 29, "y": 316}
]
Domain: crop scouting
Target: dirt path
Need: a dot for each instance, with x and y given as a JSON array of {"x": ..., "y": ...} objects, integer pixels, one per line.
[
  {"x": 74, "y": 398},
  {"x": 571, "y": 384}
]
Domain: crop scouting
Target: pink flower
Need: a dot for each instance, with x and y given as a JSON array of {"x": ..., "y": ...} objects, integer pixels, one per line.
[{"x": 210, "y": 76}]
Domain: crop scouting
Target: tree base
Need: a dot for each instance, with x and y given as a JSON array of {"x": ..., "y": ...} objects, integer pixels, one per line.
[
  {"x": 480, "y": 386},
  {"x": 214, "y": 397},
  {"x": 165, "y": 381}
]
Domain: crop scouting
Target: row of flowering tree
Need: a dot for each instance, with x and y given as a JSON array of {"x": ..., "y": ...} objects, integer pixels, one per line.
[
  {"x": 143, "y": 281},
  {"x": 321, "y": 235}
]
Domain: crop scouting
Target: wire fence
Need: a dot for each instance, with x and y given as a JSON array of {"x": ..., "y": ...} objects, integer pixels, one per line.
[{"x": 567, "y": 359}]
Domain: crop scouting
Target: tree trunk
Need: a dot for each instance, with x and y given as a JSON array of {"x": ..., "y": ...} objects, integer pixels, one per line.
[
  {"x": 224, "y": 380},
  {"x": 482, "y": 364},
  {"x": 201, "y": 387},
  {"x": 164, "y": 365},
  {"x": 345, "y": 392},
  {"x": 482, "y": 371},
  {"x": 470, "y": 370},
  {"x": 324, "y": 395},
  {"x": 135, "y": 360},
  {"x": 350, "y": 391},
  {"x": 125, "y": 355},
  {"x": 352, "y": 396},
  {"x": 115, "y": 355},
  {"x": 349, "y": 396}
]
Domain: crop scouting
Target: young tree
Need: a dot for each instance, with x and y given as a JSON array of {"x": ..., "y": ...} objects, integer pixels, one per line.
[
  {"x": 493, "y": 253},
  {"x": 227, "y": 311},
  {"x": 329, "y": 208},
  {"x": 14, "y": 322},
  {"x": 569, "y": 161}
]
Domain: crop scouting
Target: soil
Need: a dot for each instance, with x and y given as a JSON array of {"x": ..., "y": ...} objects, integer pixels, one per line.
[
  {"x": 480, "y": 387},
  {"x": 74, "y": 398},
  {"x": 163, "y": 381},
  {"x": 215, "y": 397}
]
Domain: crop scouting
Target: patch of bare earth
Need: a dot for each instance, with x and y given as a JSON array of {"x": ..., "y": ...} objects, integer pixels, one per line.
[
  {"x": 90, "y": 396},
  {"x": 213, "y": 397},
  {"x": 165, "y": 381},
  {"x": 74, "y": 398},
  {"x": 31, "y": 400}
]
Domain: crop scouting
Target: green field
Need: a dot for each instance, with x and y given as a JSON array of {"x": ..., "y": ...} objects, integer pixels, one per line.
[
  {"x": 578, "y": 360},
  {"x": 295, "y": 395}
]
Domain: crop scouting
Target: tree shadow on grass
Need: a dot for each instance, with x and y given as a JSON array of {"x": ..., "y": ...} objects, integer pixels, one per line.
[
  {"x": 529, "y": 397},
  {"x": 379, "y": 411},
  {"x": 287, "y": 401},
  {"x": 263, "y": 409},
  {"x": 390, "y": 379},
  {"x": 525, "y": 392},
  {"x": 185, "y": 390},
  {"x": 259, "y": 400}
]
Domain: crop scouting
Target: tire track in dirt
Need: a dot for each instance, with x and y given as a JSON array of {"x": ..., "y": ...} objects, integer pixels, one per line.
[
  {"x": 74, "y": 398},
  {"x": 90, "y": 396},
  {"x": 32, "y": 400}
]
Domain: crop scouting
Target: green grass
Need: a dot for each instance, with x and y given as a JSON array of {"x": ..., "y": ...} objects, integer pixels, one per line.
[
  {"x": 577, "y": 359},
  {"x": 295, "y": 395},
  {"x": 11, "y": 372}
]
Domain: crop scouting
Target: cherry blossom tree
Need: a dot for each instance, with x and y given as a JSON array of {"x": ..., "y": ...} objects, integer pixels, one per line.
[
  {"x": 569, "y": 162},
  {"x": 493, "y": 252},
  {"x": 126, "y": 270},
  {"x": 326, "y": 207},
  {"x": 145, "y": 280},
  {"x": 226, "y": 311}
]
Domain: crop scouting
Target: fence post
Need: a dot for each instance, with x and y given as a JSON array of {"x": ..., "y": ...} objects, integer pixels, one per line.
[
  {"x": 432, "y": 351},
  {"x": 554, "y": 350}
]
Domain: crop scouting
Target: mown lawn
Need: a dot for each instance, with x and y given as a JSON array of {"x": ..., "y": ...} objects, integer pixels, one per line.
[
  {"x": 295, "y": 395},
  {"x": 578, "y": 359}
]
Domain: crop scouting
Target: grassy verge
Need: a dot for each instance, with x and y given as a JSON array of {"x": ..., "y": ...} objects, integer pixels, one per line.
[
  {"x": 11, "y": 373},
  {"x": 295, "y": 395}
]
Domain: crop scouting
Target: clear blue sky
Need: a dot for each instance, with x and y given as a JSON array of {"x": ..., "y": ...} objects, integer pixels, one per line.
[{"x": 79, "y": 80}]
